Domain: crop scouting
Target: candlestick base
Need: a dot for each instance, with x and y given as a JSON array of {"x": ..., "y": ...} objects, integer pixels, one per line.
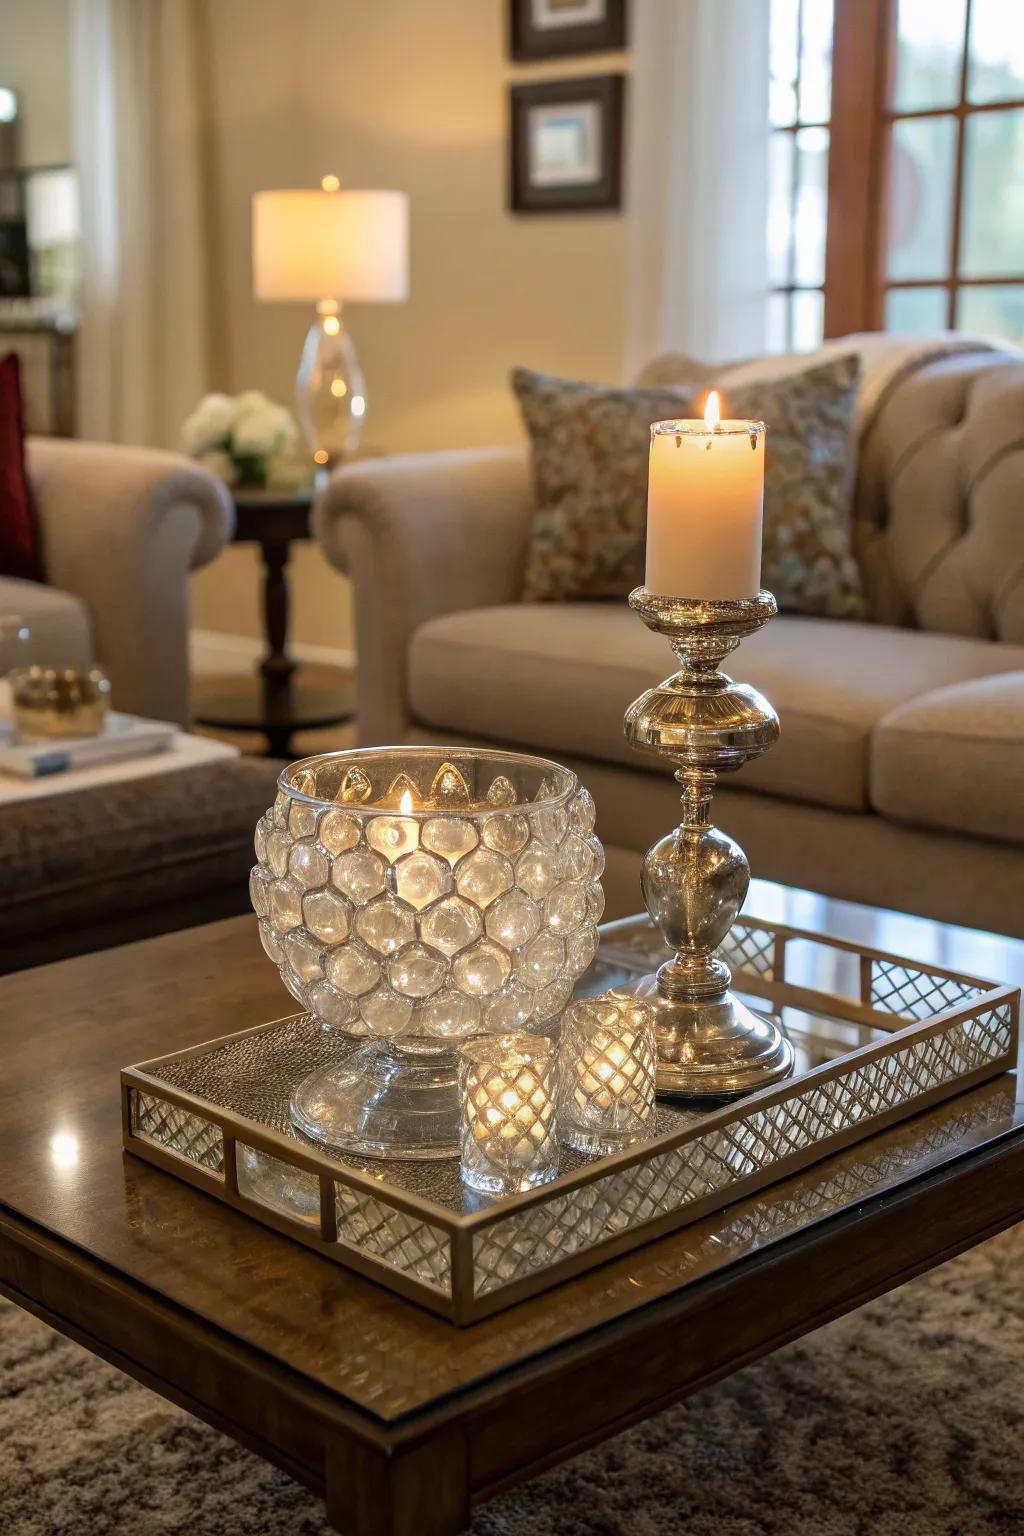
[{"x": 716, "y": 1048}]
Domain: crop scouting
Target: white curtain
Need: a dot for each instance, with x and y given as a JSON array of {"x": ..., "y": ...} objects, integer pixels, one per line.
[
  {"x": 137, "y": 122},
  {"x": 695, "y": 257}
]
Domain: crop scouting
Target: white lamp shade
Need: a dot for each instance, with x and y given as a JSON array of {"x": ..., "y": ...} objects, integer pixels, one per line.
[{"x": 350, "y": 245}]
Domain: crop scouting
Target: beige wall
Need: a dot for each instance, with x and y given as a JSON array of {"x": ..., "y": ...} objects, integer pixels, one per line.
[
  {"x": 34, "y": 62},
  {"x": 408, "y": 94}
]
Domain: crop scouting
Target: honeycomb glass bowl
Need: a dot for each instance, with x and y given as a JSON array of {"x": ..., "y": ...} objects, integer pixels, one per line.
[{"x": 413, "y": 897}]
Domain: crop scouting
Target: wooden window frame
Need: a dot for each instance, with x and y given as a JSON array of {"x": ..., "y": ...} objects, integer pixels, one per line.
[
  {"x": 790, "y": 288},
  {"x": 863, "y": 70}
]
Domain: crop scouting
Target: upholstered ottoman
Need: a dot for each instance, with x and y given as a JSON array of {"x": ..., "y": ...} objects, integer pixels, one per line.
[{"x": 101, "y": 866}]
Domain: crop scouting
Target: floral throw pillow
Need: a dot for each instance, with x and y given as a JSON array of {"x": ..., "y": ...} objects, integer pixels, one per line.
[{"x": 590, "y": 447}]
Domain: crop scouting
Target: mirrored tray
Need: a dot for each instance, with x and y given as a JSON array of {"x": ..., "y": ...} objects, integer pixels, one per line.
[{"x": 876, "y": 1038}]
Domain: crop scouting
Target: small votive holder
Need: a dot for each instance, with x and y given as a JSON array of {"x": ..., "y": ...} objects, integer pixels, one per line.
[
  {"x": 607, "y": 1061},
  {"x": 508, "y": 1085},
  {"x": 51, "y": 703}
]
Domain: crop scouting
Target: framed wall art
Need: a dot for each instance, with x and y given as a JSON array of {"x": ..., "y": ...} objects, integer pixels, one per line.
[
  {"x": 548, "y": 29},
  {"x": 565, "y": 144}
]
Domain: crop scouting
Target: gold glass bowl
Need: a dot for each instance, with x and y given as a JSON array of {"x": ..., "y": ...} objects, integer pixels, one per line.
[{"x": 50, "y": 703}]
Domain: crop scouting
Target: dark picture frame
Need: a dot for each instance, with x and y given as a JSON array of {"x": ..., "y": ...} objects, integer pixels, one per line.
[
  {"x": 576, "y": 122},
  {"x": 602, "y": 32}
]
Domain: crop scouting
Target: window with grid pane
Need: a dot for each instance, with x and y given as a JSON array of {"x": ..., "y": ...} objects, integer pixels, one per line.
[
  {"x": 800, "y": 96},
  {"x": 954, "y": 231},
  {"x": 916, "y": 108}
]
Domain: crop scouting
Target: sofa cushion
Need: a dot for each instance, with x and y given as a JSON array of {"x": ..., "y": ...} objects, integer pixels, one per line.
[
  {"x": 59, "y": 633},
  {"x": 954, "y": 759},
  {"x": 559, "y": 677}
]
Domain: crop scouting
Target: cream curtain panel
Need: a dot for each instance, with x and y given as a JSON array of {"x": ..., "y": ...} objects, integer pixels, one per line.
[
  {"x": 138, "y": 138},
  {"x": 696, "y": 275}
]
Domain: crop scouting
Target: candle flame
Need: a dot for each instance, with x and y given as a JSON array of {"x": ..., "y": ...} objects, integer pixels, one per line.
[
  {"x": 712, "y": 412},
  {"x": 405, "y": 804}
]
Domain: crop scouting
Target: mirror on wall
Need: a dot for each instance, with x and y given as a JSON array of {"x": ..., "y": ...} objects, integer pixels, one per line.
[{"x": 38, "y": 221}]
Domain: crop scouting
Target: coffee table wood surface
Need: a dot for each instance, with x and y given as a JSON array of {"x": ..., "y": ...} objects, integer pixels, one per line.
[{"x": 400, "y": 1420}]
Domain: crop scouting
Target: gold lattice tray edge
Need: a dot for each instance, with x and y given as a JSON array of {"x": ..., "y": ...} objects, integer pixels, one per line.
[{"x": 945, "y": 1033}]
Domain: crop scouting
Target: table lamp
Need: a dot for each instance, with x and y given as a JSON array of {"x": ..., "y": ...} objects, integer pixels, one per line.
[{"x": 327, "y": 246}]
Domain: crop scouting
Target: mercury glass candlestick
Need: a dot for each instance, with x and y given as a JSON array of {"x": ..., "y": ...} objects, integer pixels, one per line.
[
  {"x": 508, "y": 1088},
  {"x": 606, "y": 1070},
  {"x": 694, "y": 881},
  {"x": 413, "y": 897}
]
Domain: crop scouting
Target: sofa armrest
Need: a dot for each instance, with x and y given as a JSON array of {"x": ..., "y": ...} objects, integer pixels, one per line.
[
  {"x": 421, "y": 535},
  {"x": 122, "y": 528}
]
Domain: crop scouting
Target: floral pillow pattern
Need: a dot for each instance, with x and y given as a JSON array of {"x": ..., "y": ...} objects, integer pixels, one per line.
[{"x": 590, "y": 449}]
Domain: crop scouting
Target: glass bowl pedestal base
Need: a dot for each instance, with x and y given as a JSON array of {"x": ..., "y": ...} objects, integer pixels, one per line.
[{"x": 380, "y": 1100}]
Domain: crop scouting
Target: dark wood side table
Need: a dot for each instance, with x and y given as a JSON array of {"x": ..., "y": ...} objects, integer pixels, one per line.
[{"x": 282, "y": 696}]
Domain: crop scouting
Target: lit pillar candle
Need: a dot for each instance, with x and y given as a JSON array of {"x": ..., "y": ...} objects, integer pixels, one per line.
[
  {"x": 704, "y": 503},
  {"x": 395, "y": 836}
]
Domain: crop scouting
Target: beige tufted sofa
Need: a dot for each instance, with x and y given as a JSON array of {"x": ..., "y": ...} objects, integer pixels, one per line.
[{"x": 899, "y": 778}]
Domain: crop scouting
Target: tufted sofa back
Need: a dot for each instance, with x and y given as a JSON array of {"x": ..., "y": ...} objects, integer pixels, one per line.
[{"x": 939, "y": 502}]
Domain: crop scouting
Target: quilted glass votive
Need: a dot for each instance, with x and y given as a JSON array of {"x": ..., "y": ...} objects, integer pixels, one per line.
[
  {"x": 607, "y": 1063},
  {"x": 413, "y": 897},
  {"x": 508, "y": 1086}
]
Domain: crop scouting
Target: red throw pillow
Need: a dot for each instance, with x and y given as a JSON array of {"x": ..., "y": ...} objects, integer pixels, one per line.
[{"x": 20, "y": 548}]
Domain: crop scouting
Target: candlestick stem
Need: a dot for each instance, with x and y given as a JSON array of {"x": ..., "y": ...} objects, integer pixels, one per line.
[{"x": 694, "y": 881}]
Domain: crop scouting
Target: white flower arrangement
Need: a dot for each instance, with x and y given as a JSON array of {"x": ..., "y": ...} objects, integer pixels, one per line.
[{"x": 246, "y": 440}]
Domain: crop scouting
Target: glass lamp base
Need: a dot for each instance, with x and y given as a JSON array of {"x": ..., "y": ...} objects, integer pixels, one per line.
[
  {"x": 330, "y": 396},
  {"x": 382, "y": 1102}
]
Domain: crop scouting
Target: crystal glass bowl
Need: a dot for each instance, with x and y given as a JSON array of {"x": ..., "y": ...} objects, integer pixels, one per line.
[{"x": 413, "y": 897}]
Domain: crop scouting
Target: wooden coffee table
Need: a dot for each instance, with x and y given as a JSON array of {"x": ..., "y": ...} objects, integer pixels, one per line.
[{"x": 398, "y": 1419}]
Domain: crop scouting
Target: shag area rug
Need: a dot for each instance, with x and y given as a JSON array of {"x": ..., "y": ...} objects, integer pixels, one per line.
[{"x": 903, "y": 1419}]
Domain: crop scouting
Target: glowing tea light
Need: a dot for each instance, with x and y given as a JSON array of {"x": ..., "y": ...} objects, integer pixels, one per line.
[
  {"x": 705, "y": 496},
  {"x": 395, "y": 836},
  {"x": 607, "y": 1061},
  {"x": 508, "y": 1084}
]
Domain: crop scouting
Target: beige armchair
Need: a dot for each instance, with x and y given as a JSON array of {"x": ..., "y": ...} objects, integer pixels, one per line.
[
  {"x": 122, "y": 528},
  {"x": 899, "y": 778}
]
